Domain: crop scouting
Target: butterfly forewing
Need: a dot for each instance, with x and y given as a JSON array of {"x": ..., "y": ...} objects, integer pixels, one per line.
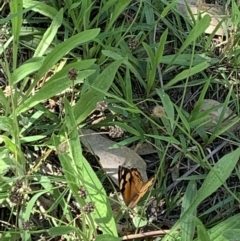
[
  {"x": 137, "y": 181},
  {"x": 124, "y": 179},
  {"x": 131, "y": 185}
]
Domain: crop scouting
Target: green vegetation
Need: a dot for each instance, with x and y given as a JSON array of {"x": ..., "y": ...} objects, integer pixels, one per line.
[{"x": 165, "y": 84}]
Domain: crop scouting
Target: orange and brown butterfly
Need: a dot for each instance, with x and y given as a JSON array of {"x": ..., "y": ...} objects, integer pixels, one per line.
[{"x": 132, "y": 186}]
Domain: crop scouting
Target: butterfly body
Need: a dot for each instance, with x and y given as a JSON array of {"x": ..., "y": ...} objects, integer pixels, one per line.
[{"x": 132, "y": 186}]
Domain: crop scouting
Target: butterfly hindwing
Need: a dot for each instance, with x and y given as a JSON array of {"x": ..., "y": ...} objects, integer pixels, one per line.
[{"x": 141, "y": 193}]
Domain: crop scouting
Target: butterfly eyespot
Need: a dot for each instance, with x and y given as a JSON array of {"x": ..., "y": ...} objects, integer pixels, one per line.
[{"x": 132, "y": 186}]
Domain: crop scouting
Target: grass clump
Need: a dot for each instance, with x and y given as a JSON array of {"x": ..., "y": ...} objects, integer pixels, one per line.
[{"x": 163, "y": 82}]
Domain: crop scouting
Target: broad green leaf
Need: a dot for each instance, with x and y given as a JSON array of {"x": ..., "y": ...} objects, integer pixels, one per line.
[
  {"x": 151, "y": 78},
  {"x": 105, "y": 237},
  {"x": 61, "y": 230},
  {"x": 26, "y": 69},
  {"x": 149, "y": 52},
  {"x": 149, "y": 14},
  {"x": 126, "y": 142},
  {"x": 184, "y": 59},
  {"x": 160, "y": 49},
  {"x": 55, "y": 85},
  {"x": 30, "y": 121},
  {"x": 188, "y": 226},
  {"x": 168, "y": 107},
  {"x": 45, "y": 10},
  {"x": 128, "y": 128},
  {"x": 232, "y": 234},
  {"x": 169, "y": 6},
  {"x": 131, "y": 67},
  {"x": 16, "y": 23},
  {"x": 73, "y": 141},
  {"x": 4, "y": 102},
  {"x": 97, "y": 91},
  {"x": 41, "y": 7},
  {"x": 197, "y": 30},
  {"x": 183, "y": 118},
  {"x": 6, "y": 164},
  {"x": 6, "y": 124},
  {"x": 201, "y": 232},
  {"x": 100, "y": 199},
  {"x": 78, "y": 172},
  {"x": 50, "y": 34},
  {"x": 63, "y": 48},
  {"x": 216, "y": 177},
  {"x": 218, "y": 232},
  {"x": 165, "y": 138},
  {"x": 196, "y": 110},
  {"x": 10, "y": 144},
  {"x": 30, "y": 204},
  {"x": 28, "y": 139},
  {"x": 151, "y": 67},
  {"x": 187, "y": 73},
  {"x": 120, "y": 6}
]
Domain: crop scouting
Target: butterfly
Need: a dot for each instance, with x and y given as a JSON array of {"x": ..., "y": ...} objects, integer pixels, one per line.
[{"x": 131, "y": 185}]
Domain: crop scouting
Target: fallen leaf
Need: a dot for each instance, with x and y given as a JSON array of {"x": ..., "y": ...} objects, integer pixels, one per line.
[
  {"x": 144, "y": 149},
  {"x": 215, "y": 114},
  {"x": 216, "y": 12},
  {"x": 110, "y": 159}
]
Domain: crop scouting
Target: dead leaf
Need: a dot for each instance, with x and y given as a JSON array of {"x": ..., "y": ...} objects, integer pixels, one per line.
[
  {"x": 110, "y": 159},
  {"x": 144, "y": 149},
  {"x": 216, "y": 12},
  {"x": 214, "y": 115}
]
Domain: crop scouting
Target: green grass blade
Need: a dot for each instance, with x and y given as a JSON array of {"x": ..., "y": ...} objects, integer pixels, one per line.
[
  {"x": 216, "y": 177},
  {"x": 201, "y": 231},
  {"x": 99, "y": 87},
  {"x": 63, "y": 48},
  {"x": 169, "y": 139},
  {"x": 160, "y": 49},
  {"x": 188, "y": 226},
  {"x": 217, "y": 232},
  {"x": 119, "y": 8},
  {"x": 79, "y": 172},
  {"x": 41, "y": 7},
  {"x": 168, "y": 107},
  {"x": 196, "y": 110},
  {"x": 183, "y": 118},
  {"x": 16, "y": 7},
  {"x": 26, "y": 69},
  {"x": 197, "y": 30},
  {"x": 187, "y": 73},
  {"x": 55, "y": 85}
]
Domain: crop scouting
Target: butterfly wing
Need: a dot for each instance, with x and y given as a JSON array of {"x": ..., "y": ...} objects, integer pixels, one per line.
[
  {"x": 131, "y": 185},
  {"x": 141, "y": 193},
  {"x": 126, "y": 184}
]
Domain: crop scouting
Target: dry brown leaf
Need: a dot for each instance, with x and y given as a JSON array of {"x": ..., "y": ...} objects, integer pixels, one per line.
[
  {"x": 215, "y": 114},
  {"x": 144, "y": 149},
  {"x": 110, "y": 159},
  {"x": 215, "y": 11}
]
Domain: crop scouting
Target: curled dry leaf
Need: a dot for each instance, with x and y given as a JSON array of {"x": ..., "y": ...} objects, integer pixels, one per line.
[
  {"x": 215, "y": 114},
  {"x": 109, "y": 158}
]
